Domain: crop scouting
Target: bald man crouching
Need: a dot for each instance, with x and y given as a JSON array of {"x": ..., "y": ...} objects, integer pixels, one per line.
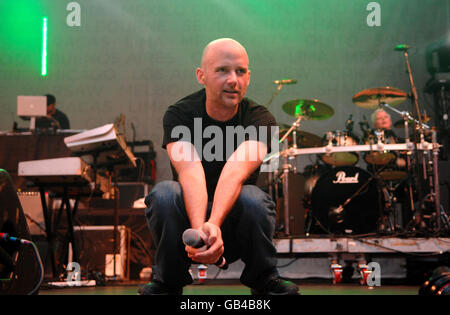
[{"x": 213, "y": 190}]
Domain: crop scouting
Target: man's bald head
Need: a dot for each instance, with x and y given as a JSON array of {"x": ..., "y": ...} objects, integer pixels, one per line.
[
  {"x": 225, "y": 75},
  {"x": 220, "y": 45}
]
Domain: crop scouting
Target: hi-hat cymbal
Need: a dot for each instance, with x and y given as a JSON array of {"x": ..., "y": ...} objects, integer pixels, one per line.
[
  {"x": 304, "y": 138},
  {"x": 310, "y": 109},
  {"x": 371, "y": 98}
]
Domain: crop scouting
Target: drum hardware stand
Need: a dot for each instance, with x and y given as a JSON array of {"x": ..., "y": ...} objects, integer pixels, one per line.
[
  {"x": 287, "y": 167},
  {"x": 437, "y": 192},
  {"x": 293, "y": 129},
  {"x": 413, "y": 87},
  {"x": 275, "y": 93},
  {"x": 434, "y": 184},
  {"x": 390, "y": 199},
  {"x": 386, "y": 206},
  {"x": 432, "y": 174},
  {"x": 285, "y": 180},
  {"x": 418, "y": 126},
  {"x": 276, "y": 179},
  {"x": 330, "y": 137}
]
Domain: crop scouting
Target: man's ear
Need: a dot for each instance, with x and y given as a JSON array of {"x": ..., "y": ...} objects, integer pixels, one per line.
[{"x": 200, "y": 76}]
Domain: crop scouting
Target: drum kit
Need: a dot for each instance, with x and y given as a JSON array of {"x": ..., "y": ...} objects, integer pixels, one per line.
[{"x": 342, "y": 198}]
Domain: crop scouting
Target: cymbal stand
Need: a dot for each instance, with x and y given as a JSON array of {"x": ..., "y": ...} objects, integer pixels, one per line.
[
  {"x": 389, "y": 199},
  {"x": 293, "y": 128},
  {"x": 285, "y": 180},
  {"x": 413, "y": 87},
  {"x": 431, "y": 175},
  {"x": 406, "y": 118},
  {"x": 437, "y": 193},
  {"x": 417, "y": 127},
  {"x": 276, "y": 92}
]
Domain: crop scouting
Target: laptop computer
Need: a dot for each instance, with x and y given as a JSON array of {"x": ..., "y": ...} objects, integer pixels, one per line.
[{"x": 31, "y": 106}]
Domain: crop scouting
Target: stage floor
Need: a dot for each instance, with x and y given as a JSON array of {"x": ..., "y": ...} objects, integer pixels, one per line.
[{"x": 238, "y": 289}]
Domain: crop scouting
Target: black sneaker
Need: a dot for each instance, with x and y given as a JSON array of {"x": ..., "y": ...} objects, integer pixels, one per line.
[
  {"x": 277, "y": 286},
  {"x": 158, "y": 288}
]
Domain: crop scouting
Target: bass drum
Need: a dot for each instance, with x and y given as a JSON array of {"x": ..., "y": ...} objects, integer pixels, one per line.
[{"x": 332, "y": 189}]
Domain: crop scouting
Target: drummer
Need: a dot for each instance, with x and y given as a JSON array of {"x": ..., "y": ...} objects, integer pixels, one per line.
[{"x": 382, "y": 120}]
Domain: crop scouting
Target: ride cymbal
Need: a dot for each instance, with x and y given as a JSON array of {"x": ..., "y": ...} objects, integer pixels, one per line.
[
  {"x": 372, "y": 98},
  {"x": 310, "y": 109}
]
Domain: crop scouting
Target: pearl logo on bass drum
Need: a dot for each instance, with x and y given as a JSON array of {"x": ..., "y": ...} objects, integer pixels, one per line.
[{"x": 341, "y": 178}]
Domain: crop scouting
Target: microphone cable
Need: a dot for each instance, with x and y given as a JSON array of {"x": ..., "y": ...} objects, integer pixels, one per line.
[
  {"x": 41, "y": 267},
  {"x": 6, "y": 237}
]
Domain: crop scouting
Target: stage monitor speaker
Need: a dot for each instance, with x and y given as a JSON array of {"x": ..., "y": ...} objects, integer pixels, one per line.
[{"x": 19, "y": 268}]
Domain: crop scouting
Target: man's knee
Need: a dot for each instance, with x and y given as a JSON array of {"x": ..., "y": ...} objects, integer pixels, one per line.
[
  {"x": 163, "y": 198},
  {"x": 256, "y": 202}
]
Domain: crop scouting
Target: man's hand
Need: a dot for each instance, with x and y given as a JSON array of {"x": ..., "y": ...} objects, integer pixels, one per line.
[{"x": 212, "y": 236}]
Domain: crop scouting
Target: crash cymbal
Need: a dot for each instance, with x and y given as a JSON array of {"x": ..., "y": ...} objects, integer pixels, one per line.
[
  {"x": 309, "y": 109},
  {"x": 371, "y": 98},
  {"x": 304, "y": 138},
  {"x": 401, "y": 123}
]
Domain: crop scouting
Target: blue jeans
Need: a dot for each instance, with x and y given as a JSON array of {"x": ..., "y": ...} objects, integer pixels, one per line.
[{"x": 246, "y": 232}]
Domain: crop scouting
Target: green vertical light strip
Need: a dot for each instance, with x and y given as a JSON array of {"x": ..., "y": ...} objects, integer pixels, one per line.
[{"x": 44, "y": 48}]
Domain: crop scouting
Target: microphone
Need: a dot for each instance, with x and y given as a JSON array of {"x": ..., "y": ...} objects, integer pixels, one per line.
[
  {"x": 402, "y": 47},
  {"x": 191, "y": 237},
  {"x": 7, "y": 238},
  {"x": 285, "y": 81}
]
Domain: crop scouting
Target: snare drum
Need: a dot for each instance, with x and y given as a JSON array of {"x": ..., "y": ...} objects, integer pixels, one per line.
[
  {"x": 340, "y": 138},
  {"x": 332, "y": 189}
]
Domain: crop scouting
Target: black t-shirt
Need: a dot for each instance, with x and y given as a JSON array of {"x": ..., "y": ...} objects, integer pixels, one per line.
[
  {"x": 59, "y": 116},
  {"x": 188, "y": 120}
]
